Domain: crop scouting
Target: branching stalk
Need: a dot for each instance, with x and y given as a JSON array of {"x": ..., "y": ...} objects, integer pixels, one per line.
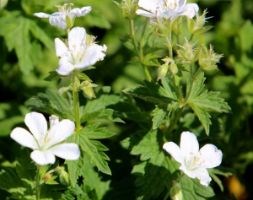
[
  {"x": 138, "y": 49},
  {"x": 76, "y": 103}
]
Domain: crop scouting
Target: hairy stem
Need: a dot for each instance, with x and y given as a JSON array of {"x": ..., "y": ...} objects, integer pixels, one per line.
[
  {"x": 169, "y": 40},
  {"x": 37, "y": 186},
  {"x": 76, "y": 103},
  {"x": 138, "y": 49}
]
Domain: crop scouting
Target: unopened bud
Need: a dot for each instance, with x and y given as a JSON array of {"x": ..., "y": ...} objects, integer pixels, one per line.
[
  {"x": 168, "y": 66},
  {"x": 208, "y": 59},
  {"x": 176, "y": 192},
  {"x": 200, "y": 21},
  {"x": 186, "y": 53},
  {"x": 129, "y": 8},
  {"x": 162, "y": 71},
  {"x": 63, "y": 175},
  {"x": 87, "y": 88}
]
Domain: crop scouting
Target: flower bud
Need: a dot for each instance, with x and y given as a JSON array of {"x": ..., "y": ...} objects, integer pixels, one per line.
[
  {"x": 129, "y": 8},
  {"x": 63, "y": 175},
  {"x": 168, "y": 66},
  {"x": 176, "y": 192},
  {"x": 87, "y": 88},
  {"x": 200, "y": 21},
  {"x": 162, "y": 71},
  {"x": 186, "y": 53},
  {"x": 208, "y": 59}
]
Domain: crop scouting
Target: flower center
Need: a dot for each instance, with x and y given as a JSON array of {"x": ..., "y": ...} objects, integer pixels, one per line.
[
  {"x": 171, "y": 4},
  {"x": 193, "y": 161}
]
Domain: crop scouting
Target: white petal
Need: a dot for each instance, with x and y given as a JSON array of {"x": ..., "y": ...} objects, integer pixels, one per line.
[
  {"x": 60, "y": 48},
  {"x": 93, "y": 54},
  {"x": 203, "y": 176},
  {"x": 53, "y": 120},
  {"x": 68, "y": 151},
  {"x": 190, "y": 10},
  {"x": 149, "y": 5},
  {"x": 188, "y": 143},
  {"x": 65, "y": 67},
  {"x": 58, "y": 19},
  {"x": 78, "y": 12},
  {"x": 41, "y": 15},
  {"x": 145, "y": 13},
  {"x": 181, "y": 3},
  {"x": 211, "y": 156},
  {"x": 37, "y": 124},
  {"x": 60, "y": 132},
  {"x": 24, "y": 138},
  {"x": 43, "y": 157},
  {"x": 76, "y": 39},
  {"x": 190, "y": 173},
  {"x": 174, "y": 150}
]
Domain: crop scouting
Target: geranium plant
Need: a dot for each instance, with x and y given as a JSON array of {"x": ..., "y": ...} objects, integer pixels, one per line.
[{"x": 108, "y": 120}]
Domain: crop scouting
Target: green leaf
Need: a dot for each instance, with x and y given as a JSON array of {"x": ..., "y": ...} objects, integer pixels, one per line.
[
  {"x": 158, "y": 117},
  {"x": 245, "y": 33},
  {"x": 101, "y": 103},
  {"x": 203, "y": 102},
  {"x": 150, "y": 92},
  {"x": 83, "y": 168},
  {"x": 153, "y": 182},
  {"x": 51, "y": 102},
  {"x": 167, "y": 89},
  {"x": 193, "y": 190},
  {"x": 16, "y": 31},
  {"x": 9, "y": 118},
  {"x": 95, "y": 152},
  {"x": 93, "y": 180},
  {"x": 148, "y": 147},
  {"x": 93, "y": 132},
  {"x": 203, "y": 116}
]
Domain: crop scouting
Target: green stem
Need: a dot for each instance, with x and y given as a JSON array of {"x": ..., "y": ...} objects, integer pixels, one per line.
[
  {"x": 169, "y": 40},
  {"x": 76, "y": 104},
  {"x": 37, "y": 189},
  {"x": 138, "y": 49}
]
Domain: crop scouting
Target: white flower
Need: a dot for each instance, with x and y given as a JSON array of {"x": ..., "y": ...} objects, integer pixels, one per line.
[
  {"x": 194, "y": 162},
  {"x": 46, "y": 144},
  {"x": 80, "y": 51},
  {"x": 168, "y": 9},
  {"x": 64, "y": 16}
]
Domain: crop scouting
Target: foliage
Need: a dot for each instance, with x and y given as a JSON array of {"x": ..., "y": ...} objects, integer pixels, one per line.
[{"x": 158, "y": 79}]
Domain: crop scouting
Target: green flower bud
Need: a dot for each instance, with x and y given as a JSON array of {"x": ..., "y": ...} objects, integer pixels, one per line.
[
  {"x": 200, "y": 21},
  {"x": 176, "y": 192},
  {"x": 208, "y": 59},
  {"x": 168, "y": 66},
  {"x": 162, "y": 71},
  {"x": 129, "y": 8},
  {"x": 63, "y": 175},
  {"x": 186, "y": 53},
  {"x": 87, "y": 88}
]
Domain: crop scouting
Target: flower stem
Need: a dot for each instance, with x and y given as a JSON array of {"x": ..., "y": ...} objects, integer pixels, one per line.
[
  {"x": 169, "y": 40},
  {"x": 37, "y": 186},
  {"x": 138, "y": 49},
  {"x": 76, "y": 104}
]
